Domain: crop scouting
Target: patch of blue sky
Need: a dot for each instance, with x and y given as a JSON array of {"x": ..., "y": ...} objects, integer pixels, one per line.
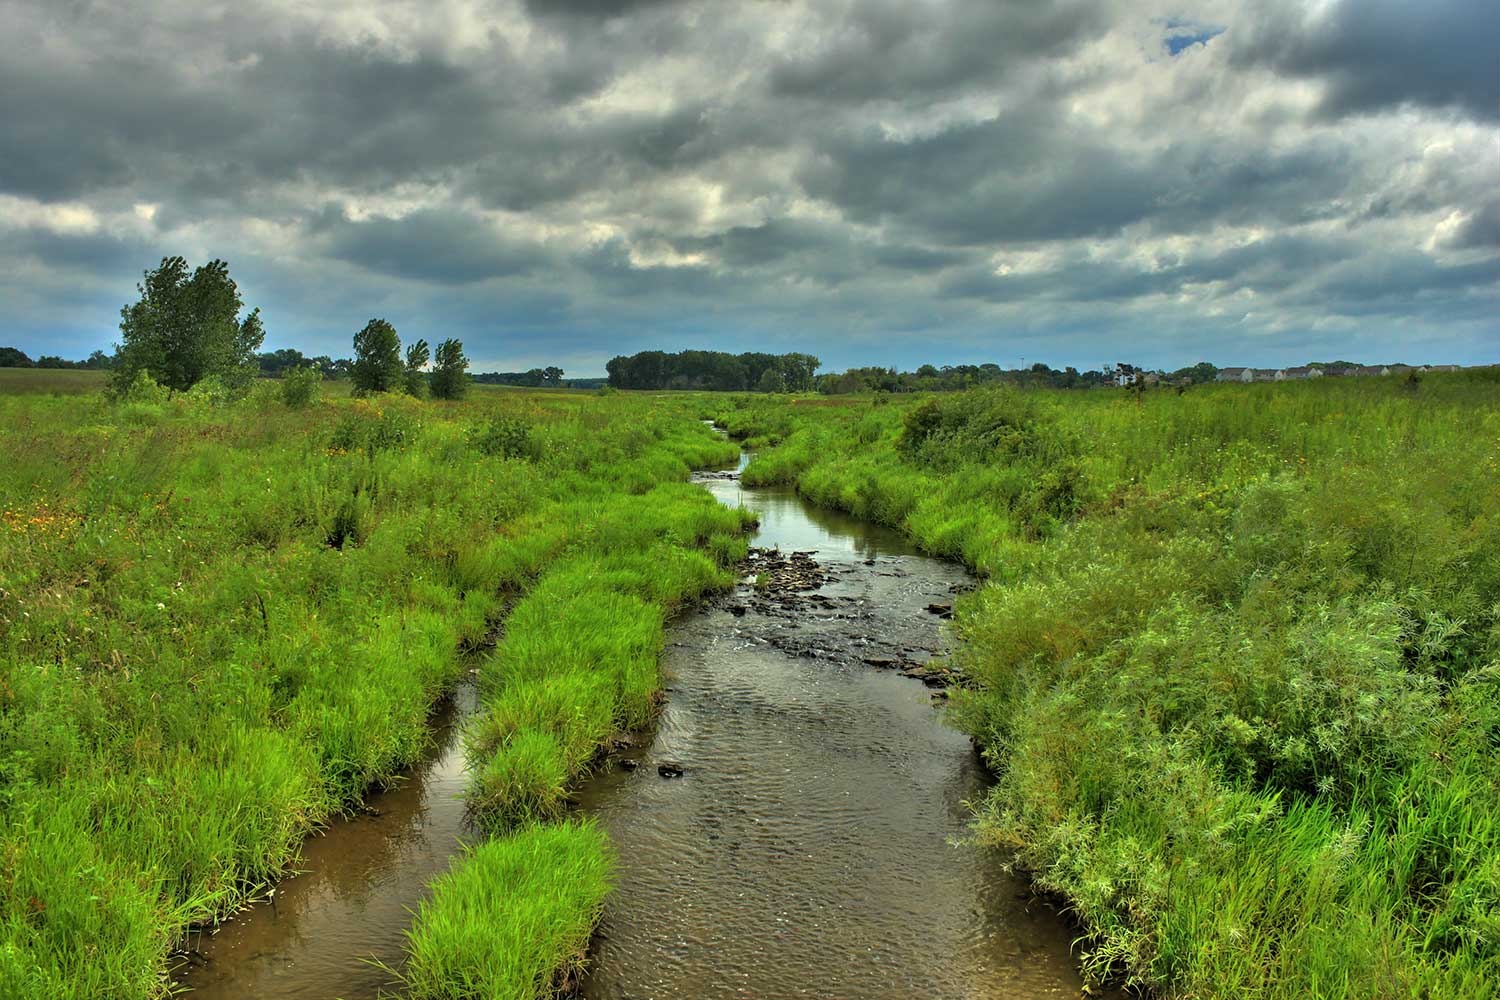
[{"x": 1182, "y": 34}]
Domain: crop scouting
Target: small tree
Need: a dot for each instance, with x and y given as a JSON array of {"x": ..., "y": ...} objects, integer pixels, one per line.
[
  {"x": 185, "y": 328},
  {"x": 552, "y": 375},
  {"x": 377, "y": 358},
  {"x": 449, "y": 370},
  {"x": 417, "y": 356}
]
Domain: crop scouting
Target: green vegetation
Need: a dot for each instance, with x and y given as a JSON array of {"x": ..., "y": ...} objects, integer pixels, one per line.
[
  {"x": 513, "y": 921},
  {"x": 186, "y": 328},
  {"x": 1237, "y": 665},
  {"x": 450, "y": 368},
  {"x": 377, "y": 358},
  {"x": 224, "y": 618},
  {"x": 713, "y": 370}
]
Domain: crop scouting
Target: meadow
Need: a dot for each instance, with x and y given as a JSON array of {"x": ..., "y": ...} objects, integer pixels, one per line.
[
  {"x": 1236, "y": 660},
  {"x": 222, "y": 622}
]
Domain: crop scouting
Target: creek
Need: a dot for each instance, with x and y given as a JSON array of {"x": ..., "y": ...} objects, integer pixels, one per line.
[{"x": 791, "y": 827}]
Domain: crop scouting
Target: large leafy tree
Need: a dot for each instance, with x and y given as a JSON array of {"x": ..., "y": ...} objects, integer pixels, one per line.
[
  {"x": 377, "y": 358},
  {"x": 187, "y": 327},
  {"x": 450, "y": 378}
]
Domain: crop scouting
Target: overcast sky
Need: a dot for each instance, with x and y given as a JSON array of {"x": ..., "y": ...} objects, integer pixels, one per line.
[{"x": 874, "y": 181}]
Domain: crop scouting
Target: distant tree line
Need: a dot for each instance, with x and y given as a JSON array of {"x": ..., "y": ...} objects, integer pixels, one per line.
[
  {"x": 275, "y": 364},
  {"x": 538, "y": 378},
  {"x": 930, "y": 378},
  {"x": 713, "y": 370},
  {"x": 14, "y": 357}
]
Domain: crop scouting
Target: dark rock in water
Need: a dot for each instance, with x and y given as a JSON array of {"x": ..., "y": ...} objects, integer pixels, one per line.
[
  {"x": 882, "y": 661},
  {"x": 738, "y": 610},
  {"x": 941, "y": 610},
  {"x": 628, "y": 764},
  {"x": 669, "y": 770},
  {"x": 869, "y": 562}
]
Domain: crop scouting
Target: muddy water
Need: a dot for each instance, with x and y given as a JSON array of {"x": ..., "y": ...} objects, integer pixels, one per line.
[
  {"x": 323, "y": 930},
  {"x": 807, "y": 849}
]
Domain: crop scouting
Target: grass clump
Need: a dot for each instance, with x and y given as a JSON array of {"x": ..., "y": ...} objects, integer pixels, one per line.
[{"x": 496, "y": 925}]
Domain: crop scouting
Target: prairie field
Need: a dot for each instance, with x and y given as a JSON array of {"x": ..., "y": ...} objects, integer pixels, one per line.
[
  {"x": 1234, "y": 658},
  {"x": 1236, "y": 662}
]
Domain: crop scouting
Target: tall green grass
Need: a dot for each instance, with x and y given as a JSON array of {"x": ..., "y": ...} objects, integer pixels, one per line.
[
  {"x": 513, "y": 921},
  {"x": 221, "y": 623},
  {"x": 1237, "y": 666}
]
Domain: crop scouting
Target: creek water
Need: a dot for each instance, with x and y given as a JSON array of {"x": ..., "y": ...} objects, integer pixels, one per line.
[
  {"x": 323, "y": 931},
  {"x": 809, "y": 848}
]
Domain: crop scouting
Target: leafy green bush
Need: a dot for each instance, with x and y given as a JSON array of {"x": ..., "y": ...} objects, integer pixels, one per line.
[
  {"x": 142, "y": 388},
  {"x": 369, "y": 429},
  {"x": 211, "y": 390},
  {"x": 506, "y": 437},
  {"x": 299, "y": 386}
]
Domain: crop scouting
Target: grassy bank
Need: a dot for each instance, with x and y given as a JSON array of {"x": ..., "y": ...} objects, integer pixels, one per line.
[
  {"x": 221, "y": 624},
  {"x": 1237, "y": 665}
]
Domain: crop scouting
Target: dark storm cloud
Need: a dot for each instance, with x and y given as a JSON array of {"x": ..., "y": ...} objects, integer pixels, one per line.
[
  {"x": 1017, "y": 178},
  {"x": 871, "y": 180},
  {"x": 591, "y": 8},
  {"x": 893, "y": 49},
  {"x": 1376, "y": 54},
  {"x": 1480, "y": 230},
  {"x": 431, "y": 245}
]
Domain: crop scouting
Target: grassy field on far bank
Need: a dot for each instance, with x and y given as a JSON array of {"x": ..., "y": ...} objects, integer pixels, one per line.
[
  {"x": 220, "y": 624},
  {"x": 1237, "y": 662}
]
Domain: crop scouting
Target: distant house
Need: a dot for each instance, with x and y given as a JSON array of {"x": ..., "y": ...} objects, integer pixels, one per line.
[
  {"x": 1235, "y": 375},
  {"x": 1396, "y": 369},
  {"x": 1443, "y": 368},
  {"x": 1305, "y": 372},
  {"x": 1261, "y": 375}
]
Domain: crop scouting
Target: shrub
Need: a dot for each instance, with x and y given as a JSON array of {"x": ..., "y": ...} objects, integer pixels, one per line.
[
  {"x": 506, "y": 437},
  {"x": 143, "y": 389},
  {"x": 300, "y": 386},
  {"x": 210, "y": 391}
]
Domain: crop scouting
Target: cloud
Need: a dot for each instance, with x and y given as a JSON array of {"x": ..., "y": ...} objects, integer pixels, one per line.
[
  {"x": 876, "y": 181},
  {"x": 1378, "y": 54}
]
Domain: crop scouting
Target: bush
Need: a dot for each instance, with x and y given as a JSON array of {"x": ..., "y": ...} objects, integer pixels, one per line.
[
  {"x": 369, "y": 430},
  {"x": 210, "y": 391},
  {"x": 143, "y": 389},
  {"x": 506, "y": 437},
  {"x": 300, "y": 386}
]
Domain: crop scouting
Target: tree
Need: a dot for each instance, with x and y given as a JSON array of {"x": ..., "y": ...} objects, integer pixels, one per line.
[
  {"x": 417, "y": 356},
  {"x": 13, "y": 357},
  {"x": 552, "y": 375},
  {"x": 449, "y": 370},
  {"x": 186, "y": 327},
  {"x": 377, "y": 358}
]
